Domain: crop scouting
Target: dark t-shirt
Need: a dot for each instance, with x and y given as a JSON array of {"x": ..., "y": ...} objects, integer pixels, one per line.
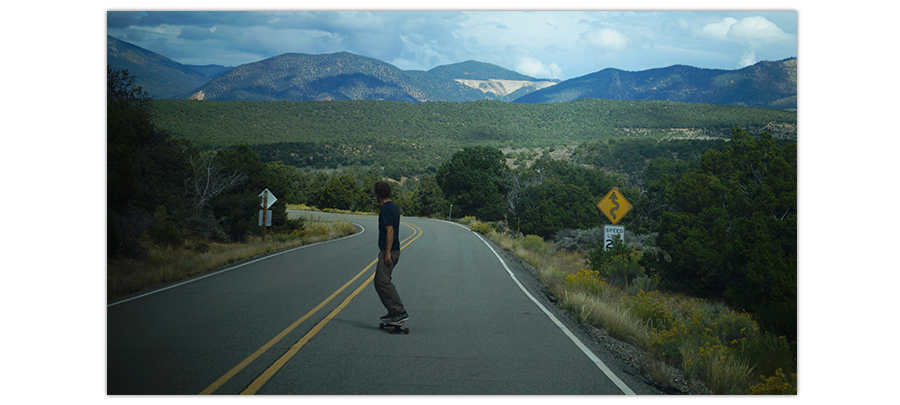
[{"x": 390, "y": 215}]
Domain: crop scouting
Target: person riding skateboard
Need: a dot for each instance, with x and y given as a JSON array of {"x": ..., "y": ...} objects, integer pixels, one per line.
[{"x": 389, "y": 246}]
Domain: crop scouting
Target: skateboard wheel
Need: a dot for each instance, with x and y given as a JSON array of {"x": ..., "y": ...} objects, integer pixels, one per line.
[
  {"x": 381, "y": 326},
  {"x": 406, "y": 331}
]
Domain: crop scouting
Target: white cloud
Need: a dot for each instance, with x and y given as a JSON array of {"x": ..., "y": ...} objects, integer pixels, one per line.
[
  {"x": 749, "y": 39},
  {"x": 533, "y": 67},
  {"x": 757, "y": 29},
  {"x": 720, "y": 29},
  {"x": 751, "y": 29},
  {"x": 605, "y": 38}
]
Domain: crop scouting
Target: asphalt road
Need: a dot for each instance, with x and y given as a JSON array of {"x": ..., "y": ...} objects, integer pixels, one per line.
[{"x": 305, "y": 321}]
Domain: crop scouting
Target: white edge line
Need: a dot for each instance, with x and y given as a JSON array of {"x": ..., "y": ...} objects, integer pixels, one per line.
[
  {"x": 237, "y": 266},
  {"x": 599, "y": 363},
  {"x": 451, "y": 223}
]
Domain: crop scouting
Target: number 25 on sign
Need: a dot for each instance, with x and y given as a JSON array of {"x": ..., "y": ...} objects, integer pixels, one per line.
[{"x": 614, "y": 206}]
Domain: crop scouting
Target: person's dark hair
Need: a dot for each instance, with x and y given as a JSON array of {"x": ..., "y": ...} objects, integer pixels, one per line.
[{"x": 382, "y": 190}]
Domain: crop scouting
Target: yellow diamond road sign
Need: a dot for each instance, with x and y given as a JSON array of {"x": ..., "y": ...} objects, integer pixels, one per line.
[{"x": 614, "y": 206}]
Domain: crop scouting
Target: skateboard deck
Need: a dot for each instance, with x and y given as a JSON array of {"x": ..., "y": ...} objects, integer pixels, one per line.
[{"x": 394, "y": 328}]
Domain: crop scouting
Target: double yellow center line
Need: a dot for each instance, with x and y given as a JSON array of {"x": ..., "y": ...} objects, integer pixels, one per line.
[{"x": 266, "y": 375}]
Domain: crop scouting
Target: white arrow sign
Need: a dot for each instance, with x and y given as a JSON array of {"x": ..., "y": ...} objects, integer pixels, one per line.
[{"x": 267, "y": 199}]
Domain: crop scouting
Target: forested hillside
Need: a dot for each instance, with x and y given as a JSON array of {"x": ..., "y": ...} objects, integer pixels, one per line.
[
  {"x": 415, "y": 138},
  {"x": 157, "y": 75},
  {"x": 340, "y": 76}
]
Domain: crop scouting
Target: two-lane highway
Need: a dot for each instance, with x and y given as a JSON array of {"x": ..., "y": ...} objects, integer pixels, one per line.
[{"x": 305, "y": 321}]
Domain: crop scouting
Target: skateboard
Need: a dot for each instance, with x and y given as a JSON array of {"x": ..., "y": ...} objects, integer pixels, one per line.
[{"x": 394, "y": 328}]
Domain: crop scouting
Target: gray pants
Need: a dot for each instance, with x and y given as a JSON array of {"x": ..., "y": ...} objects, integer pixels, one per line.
[{"x": 383, "y": 285}]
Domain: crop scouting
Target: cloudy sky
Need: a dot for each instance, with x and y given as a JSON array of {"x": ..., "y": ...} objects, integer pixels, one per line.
[{"x": 545, "y": 44}]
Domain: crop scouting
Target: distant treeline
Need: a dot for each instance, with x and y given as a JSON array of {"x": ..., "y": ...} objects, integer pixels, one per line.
[{"x": 416, "y": 138}]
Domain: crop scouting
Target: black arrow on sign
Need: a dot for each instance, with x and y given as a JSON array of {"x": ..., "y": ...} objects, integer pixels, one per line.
[{"x": 614, "y": 198}]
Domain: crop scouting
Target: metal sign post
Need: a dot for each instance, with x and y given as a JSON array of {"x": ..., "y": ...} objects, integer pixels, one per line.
[{"x": 265, "y": 220}]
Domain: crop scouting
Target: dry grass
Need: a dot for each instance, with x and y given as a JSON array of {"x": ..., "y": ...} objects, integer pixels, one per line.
[
  {"x": 553, "y": 266},
  {"x": 166, "y": 265},
  {"x": 600, "y": 312}
]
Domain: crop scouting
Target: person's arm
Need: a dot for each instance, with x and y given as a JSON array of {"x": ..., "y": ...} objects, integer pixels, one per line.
[{"x": 390, "y": 243}]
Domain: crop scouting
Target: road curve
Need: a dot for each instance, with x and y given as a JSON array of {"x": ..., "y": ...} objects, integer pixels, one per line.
[{"x": 305, "y": 321}]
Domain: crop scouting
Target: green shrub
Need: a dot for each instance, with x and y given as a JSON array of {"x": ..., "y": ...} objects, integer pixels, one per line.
[
  {"x": 765, "y": 351},
  {"x": 650, "y": 308},
  {"x": 710, "y": 342},
  {"x": 645, "y": 283},
  {"x": 164, "y": 232},
  {"x": 290, "y": 225},
  {"x": 534, "y": 243},
  {"x": 586, "y": 280},
  {"x": 600, "y": 256},
  {"x": 579, "y": 239},
  {"x": 723, "y": 373},
  {"x": 620, "y": 265},
  {"x": 622, "y": 269},
  {"x": 481, "y": 227},
  {"x": 467, "y": 220},
  {"x": 778, "y": 384}
]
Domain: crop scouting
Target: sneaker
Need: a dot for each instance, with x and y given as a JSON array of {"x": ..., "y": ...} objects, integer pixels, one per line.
[
  {"x": 397, "y": 319},
  {"x": 386, "y": 317}
]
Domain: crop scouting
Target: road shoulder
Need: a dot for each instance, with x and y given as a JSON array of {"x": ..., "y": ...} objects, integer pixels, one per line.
[{"x": 625, "y": 360}]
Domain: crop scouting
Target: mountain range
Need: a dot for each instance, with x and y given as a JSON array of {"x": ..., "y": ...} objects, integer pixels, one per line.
[
  {"x": 765, "y": 84},
  {"x": 347, "y": 76},
  {"x": 160, "y": 76}
]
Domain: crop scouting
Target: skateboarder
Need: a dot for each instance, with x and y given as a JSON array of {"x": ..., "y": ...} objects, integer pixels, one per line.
[{"x": 389, "y": 246}]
